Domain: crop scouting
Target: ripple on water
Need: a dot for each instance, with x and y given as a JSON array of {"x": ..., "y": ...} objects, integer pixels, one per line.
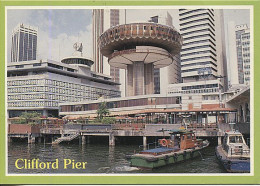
[{"x": 103, "y": 159}]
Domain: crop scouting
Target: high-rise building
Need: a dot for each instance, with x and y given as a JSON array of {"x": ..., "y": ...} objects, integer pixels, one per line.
[
  {"x": 203, "y": 57},
  {"x": 97, "y": 30},
  {"x": 172, "y": 73},
  {"x": 114, "y": 20},
  {"x": 104, "y": 19},
  {"x": 239, "y": 54},
  {"x": 24, "y": 43}
]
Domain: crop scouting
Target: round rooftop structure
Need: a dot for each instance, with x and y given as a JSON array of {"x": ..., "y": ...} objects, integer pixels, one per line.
[
  {"x": 127, "y": 36},
  {"x": 139, "y": 48},
  {"x": 77, "y": 60}
]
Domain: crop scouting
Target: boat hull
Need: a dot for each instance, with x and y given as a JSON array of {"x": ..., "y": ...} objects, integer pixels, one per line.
[
  {"x": 162, "y": 160},
  {"x": 233, "y": 165}
]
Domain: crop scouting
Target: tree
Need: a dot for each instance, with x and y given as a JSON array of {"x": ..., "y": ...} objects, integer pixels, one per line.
[
  {"x": 30, "y": 116},
  {"x": 102, "y": 110}
]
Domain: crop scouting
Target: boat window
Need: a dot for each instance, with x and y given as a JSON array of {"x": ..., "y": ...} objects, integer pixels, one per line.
[{"x": 235, "y": 139}]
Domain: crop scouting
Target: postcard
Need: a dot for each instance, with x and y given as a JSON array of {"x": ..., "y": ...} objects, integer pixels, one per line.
[{"x": 129, "y": 93}]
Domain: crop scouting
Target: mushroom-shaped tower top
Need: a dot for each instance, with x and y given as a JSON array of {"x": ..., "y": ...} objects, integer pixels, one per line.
[{"x": 128, "y": 36}]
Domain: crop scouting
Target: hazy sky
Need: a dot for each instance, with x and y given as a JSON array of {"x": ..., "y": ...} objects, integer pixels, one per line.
[{"x": 59, "y": 29}]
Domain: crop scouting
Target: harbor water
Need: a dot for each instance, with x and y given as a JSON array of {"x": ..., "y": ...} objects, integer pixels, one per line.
[{"x": 101, "y": 158}]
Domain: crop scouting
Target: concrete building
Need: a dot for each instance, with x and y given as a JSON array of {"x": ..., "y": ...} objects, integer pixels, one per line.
[
  {"x": 139, "y": 48},
  {"x": 24, "y": 43},
  {"x": 40, "y": 85},
  {"x": 203, "y": 58},
  {"x": 239, "y": 54},
  {"x": 103, "y": 19},
  {"x": 172, "y": 73},
  {"x": 97, "y": 30}
]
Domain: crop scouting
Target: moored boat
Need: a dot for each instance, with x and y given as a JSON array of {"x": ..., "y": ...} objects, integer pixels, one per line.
[
  {"x": 233, "y": 153},
  {"x": 181, "y": 146}
]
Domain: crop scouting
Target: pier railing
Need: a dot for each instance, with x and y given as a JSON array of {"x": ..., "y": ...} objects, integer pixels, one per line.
[
  {"x": 129, "y": 126},
  {"x": 201, "y": 126}
]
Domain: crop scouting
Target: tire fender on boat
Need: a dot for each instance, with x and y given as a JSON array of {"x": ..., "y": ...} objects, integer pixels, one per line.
[
  {"x": 184, "y": 154},
  {"x": 166, "y": 157},
  {"x": 191, "y": 154},
  {"x": 175, "y": 157},
  {"x": 164, "y": 142}
]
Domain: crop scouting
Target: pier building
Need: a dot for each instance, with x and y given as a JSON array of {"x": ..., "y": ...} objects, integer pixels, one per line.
[{"x": 139, "y": 48}]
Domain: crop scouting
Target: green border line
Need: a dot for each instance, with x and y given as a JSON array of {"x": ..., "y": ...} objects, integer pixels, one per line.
[{"x": 131, "y": 179}]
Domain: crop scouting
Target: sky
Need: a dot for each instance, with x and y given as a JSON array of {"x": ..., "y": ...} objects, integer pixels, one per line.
[{"x": 59, "y": 29}]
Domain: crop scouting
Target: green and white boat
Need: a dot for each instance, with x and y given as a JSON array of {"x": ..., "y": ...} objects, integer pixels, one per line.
[{"x": 182, "y": 145}]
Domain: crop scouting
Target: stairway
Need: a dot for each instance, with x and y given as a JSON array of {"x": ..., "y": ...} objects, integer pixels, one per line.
[{"x": 69, "y": 137}]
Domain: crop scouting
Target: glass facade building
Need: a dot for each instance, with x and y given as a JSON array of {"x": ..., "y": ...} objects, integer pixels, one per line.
[
  {"x": 41, "y": 85},
  {"x": 24, "y": 43}
]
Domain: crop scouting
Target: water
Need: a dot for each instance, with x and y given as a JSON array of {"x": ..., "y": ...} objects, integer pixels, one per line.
[{"x": 102, "y": 159}]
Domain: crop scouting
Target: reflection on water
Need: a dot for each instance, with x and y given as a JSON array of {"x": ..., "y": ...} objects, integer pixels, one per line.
[{"x": 101, "y": 159}]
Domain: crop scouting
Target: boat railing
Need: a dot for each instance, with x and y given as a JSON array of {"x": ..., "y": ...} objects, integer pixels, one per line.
[
  {"x": 235, "y": 151},
  {"x": 149, "y": 145}
]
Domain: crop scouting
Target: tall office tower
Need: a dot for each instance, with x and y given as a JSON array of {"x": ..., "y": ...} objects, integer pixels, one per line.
[
  {"x": 102, "y": 20},
  {"x": 97, "y": 30},
  {"x": 24, "y": 43},
  {"x": 170, "y": 74},
  {"x": 203, "y": 51},
  {"x": 239, "y": 54},
  {"x": 114, "y": 20}
]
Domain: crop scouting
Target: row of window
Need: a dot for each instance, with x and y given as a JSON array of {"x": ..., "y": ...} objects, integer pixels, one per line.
[
  {"x": 33, "y": 104},
  {"x": 79, "y": 89},
  {"x": 197, "y": 69},
  {"x": 199, "y": 31},
  {"x": 197, "y": 47},
  {"x": 200, "y": 41},
  {"x": 197, "y": 20},
  {"x": 198, "y": 58},
  {"x": 246, "y": 60},
  {"x": 25, "y": 82},
  {"x": 197, "y": 15},
  {"x": 246, "y": 55},
  {"x": 200, "y": 52},
  {"x": 195, "y": 91},
  {"x": 200, "y": 36},
  {"x": 200, "y": 63}
]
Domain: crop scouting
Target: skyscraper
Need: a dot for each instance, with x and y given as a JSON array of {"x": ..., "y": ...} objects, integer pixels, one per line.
[
  {"x": 103, "y": 19},
  {"x": 24, "y": 43},
  {"x": 170, "y": 74},
  {"x": 114, "y": 20},
  {"x": 97, "y": 29},
  {"x": 239, "y": 54},
  {"x": 203, "y": 52}
]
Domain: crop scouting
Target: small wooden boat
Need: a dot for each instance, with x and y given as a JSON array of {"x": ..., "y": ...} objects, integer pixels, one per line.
[
  {"x": 233, "y": 153},
  {"x": 181, "y": 146}
]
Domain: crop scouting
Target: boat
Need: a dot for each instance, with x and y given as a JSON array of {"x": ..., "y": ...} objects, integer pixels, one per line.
[
  {"x": 233, "y": 153},
  {"x": 181, "y": 146}
]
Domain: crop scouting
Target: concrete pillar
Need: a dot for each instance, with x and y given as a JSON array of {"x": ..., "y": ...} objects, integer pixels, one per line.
[
  {"x": 219, "y": 140},
  {"x": 31, "y": 139},
  {"x": 149, "y": 78},
  {"x": 145, "y": 142},
  {"x": 83, "y": 140},
  {"x": 88, "y": 139},
  {"x": 111, "y": 139}
]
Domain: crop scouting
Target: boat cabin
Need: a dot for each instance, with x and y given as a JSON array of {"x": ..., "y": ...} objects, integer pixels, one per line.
[
  {"x": 181, "y": 139},
  {"x": 234, "y": 145}
]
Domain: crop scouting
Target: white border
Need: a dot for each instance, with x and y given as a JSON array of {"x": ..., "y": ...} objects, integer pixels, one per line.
[{"x": 250, "y": 7}]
